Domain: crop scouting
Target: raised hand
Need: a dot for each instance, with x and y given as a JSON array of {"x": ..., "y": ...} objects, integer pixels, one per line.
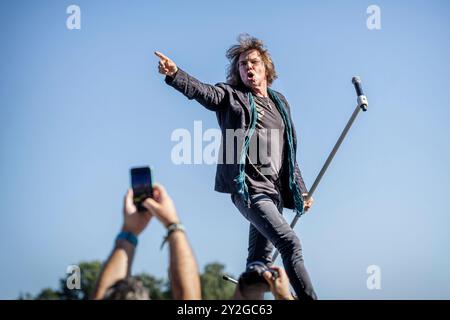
[
  {"x": 134, "y": 221},
  {"x": 279, "y": 286},
  {"x": 161, "y": 206},
  {"x": 165, "y": 65}
]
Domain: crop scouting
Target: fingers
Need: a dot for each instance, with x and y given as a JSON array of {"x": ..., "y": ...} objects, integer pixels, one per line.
[
  {"x": 163, "y": 70},
  {"x": 277, "y": 268},
  {"x": 151, "y": 205},
  {"x": 270, "y": 280},
  {"x": 159, "y": 192},
  {"x": 163, "y": 65},
  {"x": 156, "y": 194},
  {"x": 280, "y": 270},
  {"x": 308, "y": 202},
  {"x": 161, "y": 56},
  {"x": 166, "y": 69},
  {"x": 128, "y": 201},
  {"x": 166, "y": 66},
  {"x": 268, "y": 276}
]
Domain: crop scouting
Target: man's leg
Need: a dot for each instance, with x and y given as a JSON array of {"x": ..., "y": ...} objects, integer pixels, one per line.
[
  {"x": 259, "y": 247},
  {"x": 270, "y": 224}
]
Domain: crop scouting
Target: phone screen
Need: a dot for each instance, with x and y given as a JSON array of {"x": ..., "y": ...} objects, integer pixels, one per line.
[{"x": 141, "y": 182}]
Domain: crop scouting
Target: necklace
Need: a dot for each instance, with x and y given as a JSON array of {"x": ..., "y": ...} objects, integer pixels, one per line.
[{"x": 265, "y": 101}]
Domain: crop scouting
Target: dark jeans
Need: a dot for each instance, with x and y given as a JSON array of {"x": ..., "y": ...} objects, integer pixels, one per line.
[{"x": 268, "y": 228}]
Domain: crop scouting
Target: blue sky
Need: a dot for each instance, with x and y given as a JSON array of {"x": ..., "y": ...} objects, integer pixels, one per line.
[{"x": 78, "y": 108}]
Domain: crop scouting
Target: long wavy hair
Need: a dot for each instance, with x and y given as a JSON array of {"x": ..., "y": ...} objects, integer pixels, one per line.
[{"x": 246, "y": 43}]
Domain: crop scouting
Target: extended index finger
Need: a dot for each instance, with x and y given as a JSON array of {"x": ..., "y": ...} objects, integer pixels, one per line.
[{"x": 161, "y": 56}]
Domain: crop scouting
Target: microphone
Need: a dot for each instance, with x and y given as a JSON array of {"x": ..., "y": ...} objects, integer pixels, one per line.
[
  {"x": 228, "y": 278},
  {"x": 362, "y": 100}
]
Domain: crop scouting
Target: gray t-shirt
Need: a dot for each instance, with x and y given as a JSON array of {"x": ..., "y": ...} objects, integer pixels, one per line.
[{"x": 265, "y": 157}]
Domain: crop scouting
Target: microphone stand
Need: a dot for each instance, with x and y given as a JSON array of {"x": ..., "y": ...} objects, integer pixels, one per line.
[{"x": 362, "y": 104}]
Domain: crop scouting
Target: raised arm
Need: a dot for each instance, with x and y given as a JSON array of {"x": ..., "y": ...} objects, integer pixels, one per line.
[
  {"x": 211, "y": 97},
  {"x": 184, "y": 273},
  {"x": 118, "y": 265},
  {"x": 279, "y": 286}
]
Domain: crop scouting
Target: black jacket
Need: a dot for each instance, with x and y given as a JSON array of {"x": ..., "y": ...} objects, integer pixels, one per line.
[{"x": 230, "y": 103}]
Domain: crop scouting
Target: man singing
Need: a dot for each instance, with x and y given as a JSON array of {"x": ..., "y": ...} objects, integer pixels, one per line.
[{"x": 260, "y": 184}]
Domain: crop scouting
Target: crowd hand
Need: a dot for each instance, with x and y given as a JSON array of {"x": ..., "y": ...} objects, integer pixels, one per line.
[
  {"x": 161, "y": 206},
  {"x": 278, "y": 286},
  {"x": 134, "y": 221}
]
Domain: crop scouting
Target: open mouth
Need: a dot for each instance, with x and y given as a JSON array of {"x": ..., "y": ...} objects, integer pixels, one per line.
[{"x": 250, "y": 75}]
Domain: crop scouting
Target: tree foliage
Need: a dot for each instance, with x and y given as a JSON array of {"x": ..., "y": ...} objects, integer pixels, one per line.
[{"x": 213, "y": 286}]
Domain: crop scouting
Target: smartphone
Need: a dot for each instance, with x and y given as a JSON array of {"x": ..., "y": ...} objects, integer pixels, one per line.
[{"x": 141, "y": 182}]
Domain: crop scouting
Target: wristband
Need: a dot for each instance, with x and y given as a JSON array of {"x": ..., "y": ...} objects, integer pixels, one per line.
[
  {"x": 170, "y": 229},
  {"x": 128, "y": 236}
]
